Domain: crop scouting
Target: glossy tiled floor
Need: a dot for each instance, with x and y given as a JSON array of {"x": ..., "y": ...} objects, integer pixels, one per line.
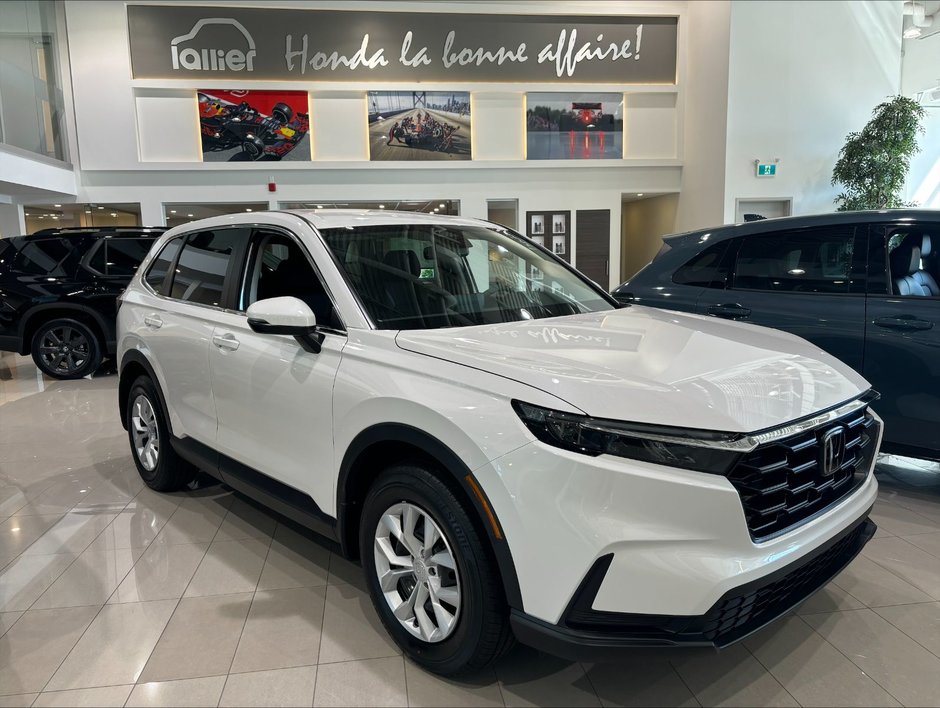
[{"x": 111, "y": 594}]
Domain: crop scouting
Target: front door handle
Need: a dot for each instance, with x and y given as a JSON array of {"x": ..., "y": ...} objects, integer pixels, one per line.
[
  {"x": 225, "y": 341},
  {"x": 730, "y": 311},
  {"x": 904, "y": 323},
  {"x": 153, "y": 321}
]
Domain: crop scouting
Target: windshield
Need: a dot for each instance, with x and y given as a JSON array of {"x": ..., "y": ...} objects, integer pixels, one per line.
[{"x": 423, "y": 276}]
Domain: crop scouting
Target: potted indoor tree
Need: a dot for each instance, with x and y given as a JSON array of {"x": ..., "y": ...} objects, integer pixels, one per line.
[{"x": 873, "y": 163}]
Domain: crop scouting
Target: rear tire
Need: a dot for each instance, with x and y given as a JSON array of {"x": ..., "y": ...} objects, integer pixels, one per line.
[
  {"x": 157, "y": 462},
  {"x": 472, "y": 631},
  {"x": 66, "y": 349}
]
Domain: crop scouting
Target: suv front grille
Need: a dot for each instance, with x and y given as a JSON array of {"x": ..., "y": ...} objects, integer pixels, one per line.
[{"x": 782, "y": 483}]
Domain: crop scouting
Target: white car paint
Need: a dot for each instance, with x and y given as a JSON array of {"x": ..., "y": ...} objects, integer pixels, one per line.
[{"x": 679, "y": 537}]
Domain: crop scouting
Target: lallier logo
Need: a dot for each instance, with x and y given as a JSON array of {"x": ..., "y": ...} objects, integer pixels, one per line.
[{"x": 189, "y": 53}]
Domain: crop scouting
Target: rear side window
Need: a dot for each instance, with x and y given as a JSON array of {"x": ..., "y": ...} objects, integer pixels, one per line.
[
  {"x": 56, "y": 257},
  {"x": 703, "y": 269},
  {"x": 817, "y": 261},
  {"x": 203, "y": 263},
  {"x": 156, "y": 274},
  {"x": 124, "y": 255}
]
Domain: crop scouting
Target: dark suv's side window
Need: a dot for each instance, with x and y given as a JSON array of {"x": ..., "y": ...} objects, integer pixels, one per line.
[
  {"x": 816, "y": 261},
  {"x": 160, "y": 267},
  {"x": 202, "y": 266},
  {"x": 124, "y": 255},
  {"x": 54, "y": 257},
  {"x": 705, "y": 269}
]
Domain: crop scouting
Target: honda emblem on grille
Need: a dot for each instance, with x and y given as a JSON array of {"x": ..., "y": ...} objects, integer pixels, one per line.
[{"x": 832, "y": 454}]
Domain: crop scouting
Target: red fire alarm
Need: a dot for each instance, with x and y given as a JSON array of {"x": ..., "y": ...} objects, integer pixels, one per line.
[{"x": 272, "y": 187}]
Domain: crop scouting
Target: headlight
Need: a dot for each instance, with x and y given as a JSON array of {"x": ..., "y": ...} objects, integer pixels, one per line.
[{"x": 701, "y": 450}]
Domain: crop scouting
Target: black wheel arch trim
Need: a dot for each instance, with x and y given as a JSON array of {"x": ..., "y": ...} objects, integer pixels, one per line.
[
  {"x": 138, "y": 357},
  {"x": 64, "y": 307},
  {"x": 459, "y": 473}
]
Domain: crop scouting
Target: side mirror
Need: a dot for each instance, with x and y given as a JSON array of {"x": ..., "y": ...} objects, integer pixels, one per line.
[{"x": 286, "y": 315}]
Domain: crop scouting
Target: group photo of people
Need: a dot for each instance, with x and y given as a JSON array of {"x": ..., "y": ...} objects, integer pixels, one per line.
[{"x": 419, "y": 125}]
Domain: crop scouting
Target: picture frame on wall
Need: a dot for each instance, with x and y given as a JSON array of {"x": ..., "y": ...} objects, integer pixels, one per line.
[
  {"x": 254, "y": 126},
  {"x": 574, "y": 126},
  {"x": 537, "y": 224},
  {"x": 558, "y": 245},
  {"x": 558, "y": 224},
  {"x": 419, "y": 125}
]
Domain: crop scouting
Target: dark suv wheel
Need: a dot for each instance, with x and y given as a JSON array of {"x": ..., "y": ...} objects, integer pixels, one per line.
[
  {"x": 66, "y": 349},
  {"x": 435, "y": 588}
]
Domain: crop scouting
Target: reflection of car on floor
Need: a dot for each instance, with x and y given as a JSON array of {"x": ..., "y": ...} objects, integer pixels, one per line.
[{"x": 228, "y": 126}]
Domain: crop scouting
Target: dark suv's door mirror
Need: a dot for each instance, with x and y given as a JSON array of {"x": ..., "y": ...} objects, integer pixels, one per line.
[{"x": 286, "y": 315}]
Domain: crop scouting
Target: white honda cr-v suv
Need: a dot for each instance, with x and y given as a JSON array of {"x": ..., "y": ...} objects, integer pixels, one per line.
[{"x": 506, "y": 451}]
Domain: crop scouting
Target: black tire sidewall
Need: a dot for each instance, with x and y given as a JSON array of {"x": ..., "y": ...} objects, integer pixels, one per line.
[
  {"x": 163, "y": 476},
  {"x": 411, "y": 484},
  {"x": 94, "y": 348}
]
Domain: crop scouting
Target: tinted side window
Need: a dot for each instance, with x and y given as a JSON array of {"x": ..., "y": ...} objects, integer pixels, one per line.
[
  {"x": 702, "y": 270},
  {"x": 817, "y": 261},
  {"x": 49, "y": 256},
  {"x": 156, "y": 274},
  {"x": 124, "y": 255},
  {"x": 203, "y": 263}
]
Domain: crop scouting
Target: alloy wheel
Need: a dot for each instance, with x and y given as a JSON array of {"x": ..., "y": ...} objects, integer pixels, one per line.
[
  {"x": 64, "y": 349},
  {"x": 146, "y": 433},
  {"x": 417, "y": 572}
]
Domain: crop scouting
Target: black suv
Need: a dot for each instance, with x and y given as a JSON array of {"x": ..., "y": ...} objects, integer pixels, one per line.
[
  {"x": 861, "y": 285},
  {"x": 58, "y": 293}
]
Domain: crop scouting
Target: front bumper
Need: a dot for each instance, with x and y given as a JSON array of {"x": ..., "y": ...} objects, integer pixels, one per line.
[{"x": 585, "y": 634}]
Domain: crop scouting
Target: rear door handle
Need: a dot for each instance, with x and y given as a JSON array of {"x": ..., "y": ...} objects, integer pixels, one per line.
[
  {"x": 904, "y": 323},
  {"x": 730, "y": 311},
  {"x": 153, "y": 321},
  {"x": 225, "y": 341}
]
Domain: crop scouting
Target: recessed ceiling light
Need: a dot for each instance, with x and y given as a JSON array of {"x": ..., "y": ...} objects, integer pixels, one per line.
[
  {"x": 56, "y": 205},
  {"x": 247, "y": 209},
  {"x": 27, "y": 213},
  {"x": 381, "y": 206},
  {"x": 319, "y": 206},
  {"x": 190, "y": 216},
  {"x": 441, "y": 206},
  {"x": 113, "y": 214},
  {"x": 101, "y": 207},
  {"x": 435, "y": 208},
  {"x": 42, "y": 217},
  {"x": 639, "y": 194},
  {"x": 172, "y": 211}
]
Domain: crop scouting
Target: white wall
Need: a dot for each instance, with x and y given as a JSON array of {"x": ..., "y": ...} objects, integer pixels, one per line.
[
  {"x": 920, "y": 71},
  {"x": 803, "y": 74}
]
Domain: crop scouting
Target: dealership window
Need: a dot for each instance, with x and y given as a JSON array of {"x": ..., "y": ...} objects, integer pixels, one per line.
[
  {"x": 32, "y": 109},
  {"x": 63, "y": 216},
  {"x": 817, "y": 261},
  {"x": 183, "y": 212}
]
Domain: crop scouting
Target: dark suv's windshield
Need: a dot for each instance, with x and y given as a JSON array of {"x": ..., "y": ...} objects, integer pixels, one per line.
[{"x": 423, "y": 276}]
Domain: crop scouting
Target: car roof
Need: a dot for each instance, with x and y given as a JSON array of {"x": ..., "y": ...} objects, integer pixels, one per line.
[
  {"x": 96, "y": 231},
  {"x": 837, "y": 218},
  {"x": 341, "y": 218}
]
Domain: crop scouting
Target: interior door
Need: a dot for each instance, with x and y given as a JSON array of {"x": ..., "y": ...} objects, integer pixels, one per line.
[
  {"x": 593, "y": 247},
  {"x": 902, "y": 342},
  {"x": 809, "y": 282},
  {"x": 274, "y": 400}
]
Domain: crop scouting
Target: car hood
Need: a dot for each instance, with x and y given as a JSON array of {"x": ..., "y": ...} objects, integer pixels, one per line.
[{"x": 655, "y": 366}]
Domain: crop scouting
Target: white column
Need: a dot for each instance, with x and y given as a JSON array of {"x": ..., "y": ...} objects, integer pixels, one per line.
[
  {"x": 12, "y": 220},
  {"x": 151, "y": 213}
]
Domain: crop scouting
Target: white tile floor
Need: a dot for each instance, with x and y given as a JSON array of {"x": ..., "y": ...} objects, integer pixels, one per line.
[{"x": 111, "y": 594}]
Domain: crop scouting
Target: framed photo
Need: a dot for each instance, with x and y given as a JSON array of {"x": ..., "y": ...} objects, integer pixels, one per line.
[
  {"x": 574, "y": 126},
  {"x": 537, "y": 226},
  {"x": 254, "y": 126},
  {"x": 558, "y": 224},
  {"x": 419, "y": 125},
  {"x": 558, "y": 245}
]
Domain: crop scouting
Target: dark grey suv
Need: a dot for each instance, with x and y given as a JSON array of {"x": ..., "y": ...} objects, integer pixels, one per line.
[{"x": 861, "y": 285}]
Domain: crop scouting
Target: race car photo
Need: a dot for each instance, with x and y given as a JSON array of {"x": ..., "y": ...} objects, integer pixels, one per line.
[{"x": 243, "y": 126}]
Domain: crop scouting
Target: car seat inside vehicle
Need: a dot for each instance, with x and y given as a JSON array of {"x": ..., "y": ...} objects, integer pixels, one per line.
[{"x": 907, "y": 259}]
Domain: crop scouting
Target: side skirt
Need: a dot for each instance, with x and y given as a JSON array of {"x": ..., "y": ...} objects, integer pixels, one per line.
[{"x": 285, "y": 500}]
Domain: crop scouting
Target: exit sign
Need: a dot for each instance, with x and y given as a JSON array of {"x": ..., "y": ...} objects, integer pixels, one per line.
[{"x": 766, "y": 170}]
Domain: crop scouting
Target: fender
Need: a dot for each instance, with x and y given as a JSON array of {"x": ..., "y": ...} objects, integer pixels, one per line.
[
  {"x": 458, "y": 473},
  {"x": 106, "y": 328},
  {"x": 136, "y": 356}
]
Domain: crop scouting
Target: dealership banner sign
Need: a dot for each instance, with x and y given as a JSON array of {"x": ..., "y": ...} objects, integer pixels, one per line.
[{"x": 190, "y": 41}]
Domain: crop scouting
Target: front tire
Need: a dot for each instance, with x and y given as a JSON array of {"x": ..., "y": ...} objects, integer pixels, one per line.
[
  {"x": 66, "y": 349},
  {"x": 157, "y": 462},
  {"x": 432, "y": 582}
]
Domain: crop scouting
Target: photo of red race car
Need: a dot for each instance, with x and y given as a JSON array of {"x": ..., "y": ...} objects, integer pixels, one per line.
[{"x": 238, "y": 127}]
